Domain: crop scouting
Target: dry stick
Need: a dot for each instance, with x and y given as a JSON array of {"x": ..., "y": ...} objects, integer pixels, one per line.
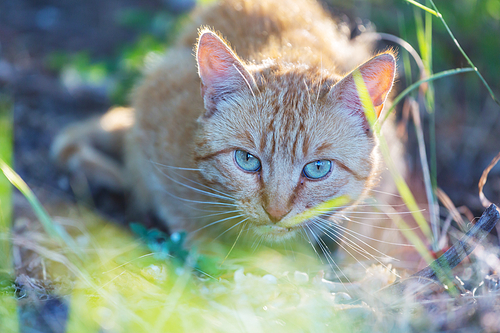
[
  {"x": 461, "y": 249},
  {"x": 433, "y": 213},
  {"x": 484, "y": 201},
  {"x": 455, "y": 213},
  {"x": 451, "y": 258}
]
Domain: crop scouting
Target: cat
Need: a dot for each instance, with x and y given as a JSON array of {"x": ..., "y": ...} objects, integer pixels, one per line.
[{"x": 276, "y": 128}]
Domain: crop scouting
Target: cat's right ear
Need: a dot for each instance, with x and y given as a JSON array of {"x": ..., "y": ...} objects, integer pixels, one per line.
[{"x": 222, "y": 73}]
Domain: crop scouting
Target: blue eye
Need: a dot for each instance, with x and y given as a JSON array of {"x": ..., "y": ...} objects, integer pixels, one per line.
[
  {"x": 246, "y": 161},
  {"x": 317, "y": 169}
]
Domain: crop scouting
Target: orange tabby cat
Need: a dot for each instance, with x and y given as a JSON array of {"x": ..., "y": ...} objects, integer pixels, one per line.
[{"x": 276, "y": 129}]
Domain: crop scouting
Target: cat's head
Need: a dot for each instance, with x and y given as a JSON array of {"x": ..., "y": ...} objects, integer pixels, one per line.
[{"x": 283, "y": 138}]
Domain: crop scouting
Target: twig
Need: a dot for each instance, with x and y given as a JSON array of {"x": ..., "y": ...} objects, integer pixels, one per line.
[{"x": 451, "y": 258}]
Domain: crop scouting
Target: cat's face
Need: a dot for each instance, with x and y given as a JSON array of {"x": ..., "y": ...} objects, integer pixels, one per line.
[{"x": 280, "y": 139}]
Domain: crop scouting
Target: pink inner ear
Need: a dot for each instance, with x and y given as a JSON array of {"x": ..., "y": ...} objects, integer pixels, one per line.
[
  {"x": 378, "y": 74},
  {"x": 219, "y": 68},
  {"x": 222, "y": 73},
  {"x": 214, "y": 59}
]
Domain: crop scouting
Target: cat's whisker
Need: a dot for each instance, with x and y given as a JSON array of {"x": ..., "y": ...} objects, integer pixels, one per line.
[
  {"x": 328, "y": 256},
  {"x": 215, "y": 203},
  {"x": 205, "y": 186},
  {"x": 388, "y": 213},
  {"x": 157, "y": 165},
  {"x": 354, "y": 234},
  {"x": 368, "y": 205},
  {"x": 173, "y": 167},
  {"x": 335, "y": 239},
  {"x": 234, "y": 244},
  {"x": 336, "y": 236},
  {"x": 206, "y": 210},
  {"x": 257, "y": 242},
  {"x": 217, "y": 222},
  {"x": 304, "y": 231},
  {"x": 237, "y": 224},
  {"x": 339, "y": 208},
  {"x": 223, "y": 197},
  {"x": 347, "y": 232},
  {"x": 218, "y": 213},
  {"x": 354, "y": 246},
  {"x": 386, "y": 193},
  {"x": 375, "y": 205},
  {"x": 370, "y": 225},
  {"x": 191, "y": 180}
]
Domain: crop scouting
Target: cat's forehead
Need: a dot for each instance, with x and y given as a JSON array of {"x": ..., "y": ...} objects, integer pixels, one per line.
[
  {"x": 292, "y": 115},
  {"x": 297, "y": 81}
]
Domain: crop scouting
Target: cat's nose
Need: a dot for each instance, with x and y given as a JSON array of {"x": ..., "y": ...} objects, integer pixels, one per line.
[{"x": 275, "y": 214}]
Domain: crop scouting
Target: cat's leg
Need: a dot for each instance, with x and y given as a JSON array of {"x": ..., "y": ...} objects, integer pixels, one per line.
[{"x": 95, "y": 148}]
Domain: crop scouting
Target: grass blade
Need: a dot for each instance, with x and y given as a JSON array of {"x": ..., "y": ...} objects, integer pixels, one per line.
[
  {"x": 52, "y": 229},
  {"x": 8, "y": 304},
  {"x": 474, "y": 68},
  {"x": 427, "y": 9},
  {"x": 418, "y": 83},
  {"x": 401, "y": 185},
  {"x": 443, "y": 274}
]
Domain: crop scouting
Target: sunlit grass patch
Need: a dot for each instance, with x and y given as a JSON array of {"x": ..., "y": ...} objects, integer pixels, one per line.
[{"x": 121, "y": 285}]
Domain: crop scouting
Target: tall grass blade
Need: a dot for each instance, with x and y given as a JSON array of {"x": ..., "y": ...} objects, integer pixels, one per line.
[
  {"x": 401, "y": 185},
  {"x": 427, "y": 9},
  {"x": 414, "y": 86},
  {"x": 425, "y": 170},
  {"x": 404, "y": 191},
  {"x": 474, "y": 68},
  {"x": 405, "y": 55},
  {"x": 426, "y": 97},
  {"x": 8, "y": 304},
  {"x": 52, "y": 229}
]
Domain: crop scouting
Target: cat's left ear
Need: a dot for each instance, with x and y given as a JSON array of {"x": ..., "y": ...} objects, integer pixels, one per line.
[
  {"x": 378, "y": 74},
  {"x": 222, "y": 73}
]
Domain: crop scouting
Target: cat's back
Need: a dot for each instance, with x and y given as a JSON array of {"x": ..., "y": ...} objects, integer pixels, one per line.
[{"x": 293, "y": 31}]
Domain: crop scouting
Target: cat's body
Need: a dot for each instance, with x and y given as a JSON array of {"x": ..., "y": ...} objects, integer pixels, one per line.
[{"x": 278, "y": 97}]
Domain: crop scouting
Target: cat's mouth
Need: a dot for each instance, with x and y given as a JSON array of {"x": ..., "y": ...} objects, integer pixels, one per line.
[
  {"x": 277, "y": 232},
  {"x": 325, "y": 208},
  {"x": 290, "y": 227}
]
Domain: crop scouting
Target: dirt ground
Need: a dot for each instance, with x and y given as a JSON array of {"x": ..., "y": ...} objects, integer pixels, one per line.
[{"x": 42, "y": 105}]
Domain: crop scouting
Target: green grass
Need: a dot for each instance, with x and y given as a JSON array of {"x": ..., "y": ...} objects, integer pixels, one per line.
[{"x": 8, "y": 304}]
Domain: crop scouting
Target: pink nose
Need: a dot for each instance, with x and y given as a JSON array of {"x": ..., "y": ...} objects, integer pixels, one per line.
[{"x": 275, "y": 214}]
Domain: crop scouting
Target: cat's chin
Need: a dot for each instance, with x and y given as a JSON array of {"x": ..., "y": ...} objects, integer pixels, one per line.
[{"x": 274, "y": 233}]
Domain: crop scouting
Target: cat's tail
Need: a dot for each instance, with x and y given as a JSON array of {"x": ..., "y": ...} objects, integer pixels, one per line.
[{"x": 95, "y": 148}]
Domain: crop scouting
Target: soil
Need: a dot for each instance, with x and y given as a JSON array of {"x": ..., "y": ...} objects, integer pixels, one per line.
[{"x": 29, "y": 32}]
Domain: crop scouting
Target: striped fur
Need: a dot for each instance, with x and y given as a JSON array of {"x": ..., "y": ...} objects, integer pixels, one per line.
[{"x": 285, "y": 108}]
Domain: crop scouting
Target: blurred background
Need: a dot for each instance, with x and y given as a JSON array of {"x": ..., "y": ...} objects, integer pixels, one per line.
[{"x": 65, "y": 60}]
